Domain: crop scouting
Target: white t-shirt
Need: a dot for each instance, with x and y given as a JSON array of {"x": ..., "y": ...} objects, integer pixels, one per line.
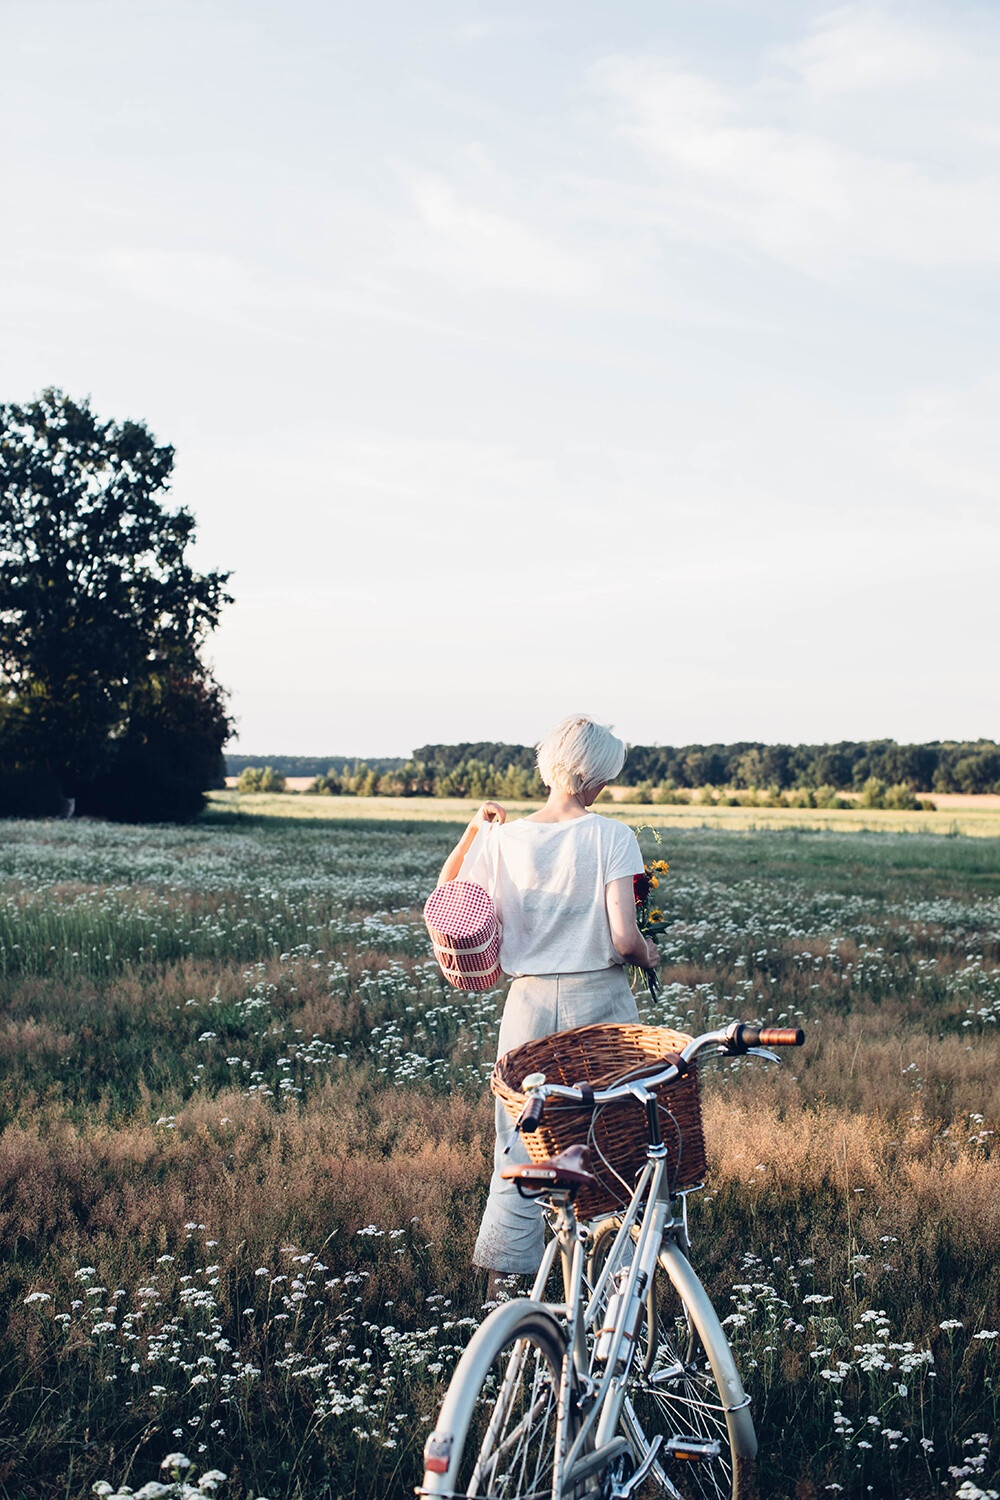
[{"x": 547, "y": 882}]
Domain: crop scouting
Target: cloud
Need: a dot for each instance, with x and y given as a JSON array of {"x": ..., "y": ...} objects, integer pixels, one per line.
[
  {"x": 949, "y": 441},
  {"x": 767, "y": 164},
  {"x": 274, "y": 302},
  {"x": 489, "y": 28},
  {"x": 488, "y": 249},
  {"x": 860, "y": 47}
]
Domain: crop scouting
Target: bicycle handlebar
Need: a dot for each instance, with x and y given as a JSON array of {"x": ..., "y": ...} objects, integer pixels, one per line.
[{"x": 734, "y": 1041}]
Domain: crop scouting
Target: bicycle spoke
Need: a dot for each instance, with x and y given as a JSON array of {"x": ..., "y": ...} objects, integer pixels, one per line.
[
  {"x": 672, "y": 1393},
  {"x": 511, "y": 1441}
]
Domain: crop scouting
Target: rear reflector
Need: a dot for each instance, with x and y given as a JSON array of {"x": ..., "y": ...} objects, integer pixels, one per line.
[{"x": 437, "y": 1452}]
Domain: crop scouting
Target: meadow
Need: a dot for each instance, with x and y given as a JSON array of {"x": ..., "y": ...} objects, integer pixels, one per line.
[{"x": 245, "y": 1138}]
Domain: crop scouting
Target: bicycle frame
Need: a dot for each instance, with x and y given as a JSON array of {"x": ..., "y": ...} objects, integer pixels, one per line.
[
  {"x": 656, "y": 1230},
  {"x": 654, "y": 1226},
  {"x": 594, "y": 1374}
]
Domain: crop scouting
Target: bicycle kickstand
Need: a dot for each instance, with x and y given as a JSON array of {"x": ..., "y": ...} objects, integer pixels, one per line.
[{"x": 628, "y": 1486}]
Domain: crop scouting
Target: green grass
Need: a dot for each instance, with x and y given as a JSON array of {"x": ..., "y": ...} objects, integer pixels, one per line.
[{"x": 236, "y": 1097}]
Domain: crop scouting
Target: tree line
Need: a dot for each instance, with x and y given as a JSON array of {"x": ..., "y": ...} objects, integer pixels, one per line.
[
  {"x": 938, "y": 766},
  {"x": 309, "y": 765},
  {"x": 882, "y": 771},
  {"x": 412, "y": 778}
]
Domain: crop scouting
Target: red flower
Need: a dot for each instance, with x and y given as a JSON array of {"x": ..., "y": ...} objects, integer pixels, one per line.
[{"x": 641, "y": 887}]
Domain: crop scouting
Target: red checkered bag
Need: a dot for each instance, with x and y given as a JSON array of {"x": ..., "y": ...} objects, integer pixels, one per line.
[{"x": 462, "y": 922}]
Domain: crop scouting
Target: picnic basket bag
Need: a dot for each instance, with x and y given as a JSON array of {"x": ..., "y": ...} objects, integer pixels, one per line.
[
  {"x": 465, "y": 935},
  {"x": 616, "y": 1134}
]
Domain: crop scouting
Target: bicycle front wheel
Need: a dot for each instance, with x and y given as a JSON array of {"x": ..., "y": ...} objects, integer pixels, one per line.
[
  {"x": 684, "y": 1387},
  {"x": 498, "y": 1427}
]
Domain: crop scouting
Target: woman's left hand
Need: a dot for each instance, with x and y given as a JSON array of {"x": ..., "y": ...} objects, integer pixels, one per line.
[{"x": 490, "y": 812}]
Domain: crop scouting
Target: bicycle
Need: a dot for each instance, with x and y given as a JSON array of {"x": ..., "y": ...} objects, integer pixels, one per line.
[{"x": 629, "y": 1380}]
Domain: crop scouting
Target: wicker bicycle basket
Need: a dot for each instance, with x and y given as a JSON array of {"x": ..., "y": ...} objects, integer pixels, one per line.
[{"x": 617, "y": 1133}]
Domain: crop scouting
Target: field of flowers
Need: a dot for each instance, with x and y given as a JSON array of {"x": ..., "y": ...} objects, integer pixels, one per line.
[{"x": 245, "y": 1139}]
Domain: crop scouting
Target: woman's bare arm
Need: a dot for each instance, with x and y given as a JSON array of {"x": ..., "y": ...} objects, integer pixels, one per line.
[
  {"x": 490, "y": 812},
  {"x": 629, "y": 943}
]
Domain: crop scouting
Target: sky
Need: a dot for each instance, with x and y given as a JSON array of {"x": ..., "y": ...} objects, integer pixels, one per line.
[{"x": 634, "y": 359}]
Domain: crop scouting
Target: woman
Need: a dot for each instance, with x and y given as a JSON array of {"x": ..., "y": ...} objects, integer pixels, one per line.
[{"x": 561, "y": 881}]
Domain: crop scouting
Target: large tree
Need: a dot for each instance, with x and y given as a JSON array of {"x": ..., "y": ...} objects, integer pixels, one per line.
[{"x": 102, "y": 616}]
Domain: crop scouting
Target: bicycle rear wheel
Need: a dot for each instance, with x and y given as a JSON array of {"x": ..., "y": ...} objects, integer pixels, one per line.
[
  {"x": 684, "y": 1387},
  {"x": 498, "y": 1419}
]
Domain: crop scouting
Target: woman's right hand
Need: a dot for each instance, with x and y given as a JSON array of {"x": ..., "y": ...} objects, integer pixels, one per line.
[
  {"x": 490, "y": 812},
  {"x": 652, "y": 955}
]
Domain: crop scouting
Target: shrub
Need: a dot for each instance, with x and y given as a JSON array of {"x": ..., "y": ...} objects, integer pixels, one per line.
[
  {"x": 258, "y": 779},
  {"x": 901, "y": 797},
  {"x": 670, "y": 795},
  {"x": 393, "y": 784},
  {"x": 873, "y": 792},
  {"x": 329, "y": 785}
]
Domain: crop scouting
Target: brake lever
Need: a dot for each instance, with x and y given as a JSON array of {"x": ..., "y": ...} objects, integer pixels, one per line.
[{"x": 761, "y": 1052}]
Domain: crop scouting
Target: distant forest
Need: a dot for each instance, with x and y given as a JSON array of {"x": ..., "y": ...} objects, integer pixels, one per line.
[
  {"x": 489, "y": 768},
  {"x": 309, "y": 765}
]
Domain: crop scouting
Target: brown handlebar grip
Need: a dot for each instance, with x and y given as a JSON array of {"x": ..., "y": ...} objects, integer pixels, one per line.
[
  {"x": 782, "y": 1036},
  {"x": 530, "y": 1117}
]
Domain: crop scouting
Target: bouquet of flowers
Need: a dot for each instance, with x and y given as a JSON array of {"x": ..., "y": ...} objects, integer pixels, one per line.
[{"x": 648, "y": 916}]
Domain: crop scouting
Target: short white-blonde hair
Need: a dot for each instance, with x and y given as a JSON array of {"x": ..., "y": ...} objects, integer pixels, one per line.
[{"x": 579, "y": 754}]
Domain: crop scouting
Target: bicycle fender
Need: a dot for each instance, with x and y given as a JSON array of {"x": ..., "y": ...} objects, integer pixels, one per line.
[
  {"x": 720, "y": 1356},
  {"x": 469, "y": 1374}
]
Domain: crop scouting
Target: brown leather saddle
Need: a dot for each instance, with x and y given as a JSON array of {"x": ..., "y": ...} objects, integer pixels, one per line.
[{"x": 563, "y": 1171}]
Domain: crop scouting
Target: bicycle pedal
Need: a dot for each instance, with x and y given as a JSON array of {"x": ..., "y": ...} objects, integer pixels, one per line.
[{"x": 692, "y": 1450}]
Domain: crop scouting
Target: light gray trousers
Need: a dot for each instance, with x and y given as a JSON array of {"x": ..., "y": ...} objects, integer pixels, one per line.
[{"x": 511, "y": 1236}]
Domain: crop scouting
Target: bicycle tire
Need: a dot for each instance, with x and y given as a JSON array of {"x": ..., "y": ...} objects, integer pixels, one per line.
[
  {"x": 684, "y": 1383},
  {"x": 499, "y": 1412}
]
